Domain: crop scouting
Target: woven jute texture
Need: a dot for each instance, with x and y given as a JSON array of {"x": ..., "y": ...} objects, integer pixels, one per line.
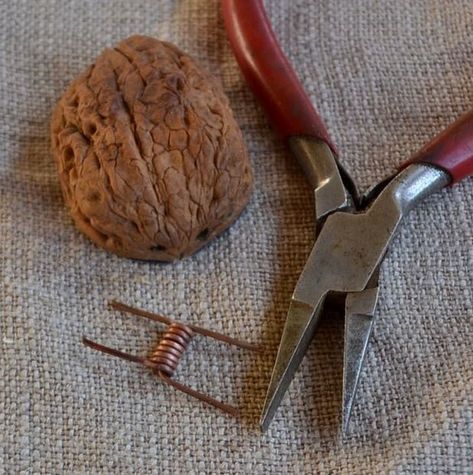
[{"x": 386, "y": 76}]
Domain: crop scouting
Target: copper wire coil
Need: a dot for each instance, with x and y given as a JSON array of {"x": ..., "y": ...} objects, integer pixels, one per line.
[{"x": 168, "y": 352}]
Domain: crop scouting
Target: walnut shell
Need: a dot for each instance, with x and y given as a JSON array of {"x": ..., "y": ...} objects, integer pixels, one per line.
[{"x": 151, "y": 161}]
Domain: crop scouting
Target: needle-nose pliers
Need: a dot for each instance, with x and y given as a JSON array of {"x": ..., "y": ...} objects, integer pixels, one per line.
[{"x": 353, "y": 232}]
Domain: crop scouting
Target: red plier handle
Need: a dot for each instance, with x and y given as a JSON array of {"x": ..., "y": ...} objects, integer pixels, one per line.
[
  {"x": 289, "y": 108},
  {"x": 269, "y": 73}
]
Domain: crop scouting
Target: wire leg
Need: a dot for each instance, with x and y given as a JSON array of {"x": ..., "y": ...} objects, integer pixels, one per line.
[
  {"x": 198, "y": 395},
  {"x": 113, "y": 352},
  {"x": 203, "y": 331}
]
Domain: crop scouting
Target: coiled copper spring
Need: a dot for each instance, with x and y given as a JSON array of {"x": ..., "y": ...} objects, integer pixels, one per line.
[{"x": 166, "y": 355}]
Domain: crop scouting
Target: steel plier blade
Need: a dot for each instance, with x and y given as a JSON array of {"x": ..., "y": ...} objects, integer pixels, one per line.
[{"x": 353, "y": 232}]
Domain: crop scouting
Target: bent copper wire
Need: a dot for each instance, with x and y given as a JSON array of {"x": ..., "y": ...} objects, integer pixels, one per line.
[{"x": 166, "y": 354}]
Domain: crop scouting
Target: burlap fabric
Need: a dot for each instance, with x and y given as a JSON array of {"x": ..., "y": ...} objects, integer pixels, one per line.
[{"x": 386, "y": 76}]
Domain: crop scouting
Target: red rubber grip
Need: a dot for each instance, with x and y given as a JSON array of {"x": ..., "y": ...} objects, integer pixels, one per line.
[
  {"x": 451, "y": 150},
  {"x": 269, "y": 73}
]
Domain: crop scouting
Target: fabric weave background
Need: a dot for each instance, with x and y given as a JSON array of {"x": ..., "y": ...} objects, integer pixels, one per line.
[{"x": 386, "y": 76}]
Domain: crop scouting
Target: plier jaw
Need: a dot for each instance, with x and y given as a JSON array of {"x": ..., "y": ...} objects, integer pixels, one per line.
[
  {"x": 359, "y": 312},
  {"x": 353, "y": 234}
]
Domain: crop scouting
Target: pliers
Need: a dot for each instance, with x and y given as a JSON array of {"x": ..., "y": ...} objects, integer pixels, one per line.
[{"x": 353, "y": 232}]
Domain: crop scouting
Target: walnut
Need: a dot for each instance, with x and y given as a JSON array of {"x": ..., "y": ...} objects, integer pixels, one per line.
[{"x": 151, "y": 161}]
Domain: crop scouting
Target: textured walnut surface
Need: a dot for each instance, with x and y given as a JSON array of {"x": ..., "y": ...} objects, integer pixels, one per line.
[{"x": 151, "y": 161}]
